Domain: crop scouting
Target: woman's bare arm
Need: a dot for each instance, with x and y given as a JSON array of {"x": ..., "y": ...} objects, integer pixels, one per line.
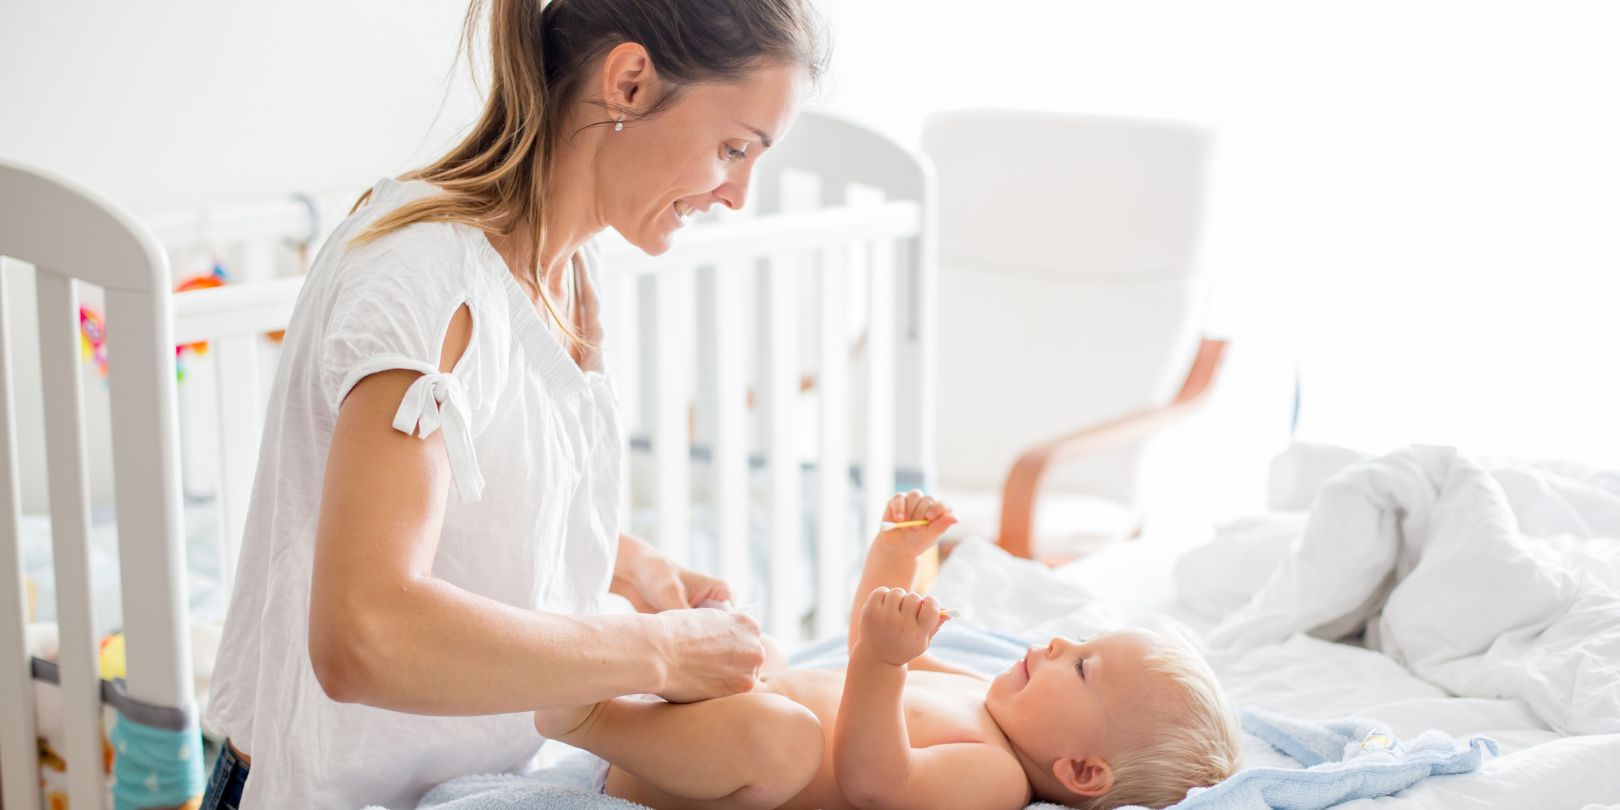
[{"x": 383, "y": 631}]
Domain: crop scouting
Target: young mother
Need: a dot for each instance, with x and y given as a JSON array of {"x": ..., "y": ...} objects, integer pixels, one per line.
[{"x": 433, "y": 532}]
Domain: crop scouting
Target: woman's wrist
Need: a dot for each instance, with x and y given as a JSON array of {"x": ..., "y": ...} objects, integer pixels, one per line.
[{"x": 660, "y": 645}]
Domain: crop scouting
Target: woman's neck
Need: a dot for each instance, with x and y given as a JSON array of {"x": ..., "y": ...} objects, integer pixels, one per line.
[{"x": 517, "y": 248}]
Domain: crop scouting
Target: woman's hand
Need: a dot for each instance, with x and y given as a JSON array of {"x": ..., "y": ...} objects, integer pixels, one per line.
[
  {"x": 914, "y": 505},
  {"x": 709, "y": 654},
  {"x": 897, "y": 625},
  {"x": 587, "y": 325},
  {"x": 654, "y": 584}
]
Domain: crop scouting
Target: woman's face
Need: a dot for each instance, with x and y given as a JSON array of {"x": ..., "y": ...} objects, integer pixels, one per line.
[{"x": 698, "y": 152}]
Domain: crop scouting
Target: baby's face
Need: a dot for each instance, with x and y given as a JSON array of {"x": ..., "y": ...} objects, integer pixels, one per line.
[{"x": 1079, "y": 699}]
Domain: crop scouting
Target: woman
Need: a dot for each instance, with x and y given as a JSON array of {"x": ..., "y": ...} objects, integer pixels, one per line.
[{"x": 433, "y": 530}]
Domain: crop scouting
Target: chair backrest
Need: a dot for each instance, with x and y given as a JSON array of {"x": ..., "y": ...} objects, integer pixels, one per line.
[
  {"x": 1067, "y": 292},
  {"x": 71, "y": 234}
]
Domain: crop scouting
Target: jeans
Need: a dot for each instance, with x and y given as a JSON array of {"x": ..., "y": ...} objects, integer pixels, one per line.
[{"x": 225, "y": 786}]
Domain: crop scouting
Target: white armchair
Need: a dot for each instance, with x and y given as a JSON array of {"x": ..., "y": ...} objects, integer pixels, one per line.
[{"x": 1068, "y": 317}]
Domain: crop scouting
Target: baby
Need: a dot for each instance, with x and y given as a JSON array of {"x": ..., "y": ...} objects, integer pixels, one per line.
[{"x": 1118, "y": 718}]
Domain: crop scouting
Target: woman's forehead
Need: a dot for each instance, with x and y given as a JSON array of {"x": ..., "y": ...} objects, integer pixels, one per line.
[{"x": 766, "y": 98}]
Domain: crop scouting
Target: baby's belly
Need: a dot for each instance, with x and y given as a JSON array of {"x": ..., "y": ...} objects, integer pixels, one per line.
[
  {"x": 818, "y": 690},
  {"x": 938, "y": 709}
]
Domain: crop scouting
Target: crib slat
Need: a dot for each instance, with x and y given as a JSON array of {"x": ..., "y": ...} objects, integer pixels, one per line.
[
  {"x": 140, "y": 375},
  {"x": 781, "y": 388},
  {"x": 729, "y": 398},
  {"x": 877, "y": 478},
  {"x": 69, "y": 487},
  {"x": 236, "y": 388},
  {"x": 832, "y": 460},
  {"x": 19, "y": 748},
  {"x": 672, "y": 447},
  {"x": 620, "y": 324}
]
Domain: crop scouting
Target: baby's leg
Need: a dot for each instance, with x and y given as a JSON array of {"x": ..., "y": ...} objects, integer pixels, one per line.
[
  {"x": 775, "y": 658},
  {"x": 755, "y": 749}
]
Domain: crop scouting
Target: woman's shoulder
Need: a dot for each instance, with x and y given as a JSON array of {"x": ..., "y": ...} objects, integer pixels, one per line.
[{"x": 423, "y": 262}]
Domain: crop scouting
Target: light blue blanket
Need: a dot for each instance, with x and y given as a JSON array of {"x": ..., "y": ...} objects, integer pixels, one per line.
[{"x": 1337, "y": 760}]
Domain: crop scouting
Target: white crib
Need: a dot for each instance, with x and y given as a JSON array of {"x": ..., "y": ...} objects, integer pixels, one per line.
[{"x": 775, "y": 363}]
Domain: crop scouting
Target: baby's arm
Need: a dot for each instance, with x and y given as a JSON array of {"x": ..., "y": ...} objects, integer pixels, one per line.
[
  {"x": 891, "y": 562},
  {"x": 874, "y": 762}
]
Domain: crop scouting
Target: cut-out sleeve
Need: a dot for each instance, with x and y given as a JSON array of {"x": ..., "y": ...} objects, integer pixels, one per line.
[{"x": 388, "y": 317}]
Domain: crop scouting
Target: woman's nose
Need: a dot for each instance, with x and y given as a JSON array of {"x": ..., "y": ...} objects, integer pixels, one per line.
[
  {"x": 734, "y": 191},
  {"x": 731, "y": 195}
]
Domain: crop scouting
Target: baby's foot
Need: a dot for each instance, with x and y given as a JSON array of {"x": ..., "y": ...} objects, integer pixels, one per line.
[{"x": 564, "y": 722}]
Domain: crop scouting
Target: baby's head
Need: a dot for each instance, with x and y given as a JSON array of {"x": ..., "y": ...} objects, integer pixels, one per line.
[{"x": 1120, "y": 718}]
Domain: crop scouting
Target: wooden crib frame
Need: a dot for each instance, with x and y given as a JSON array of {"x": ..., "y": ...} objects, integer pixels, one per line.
[{"x": 837, "y": 202}]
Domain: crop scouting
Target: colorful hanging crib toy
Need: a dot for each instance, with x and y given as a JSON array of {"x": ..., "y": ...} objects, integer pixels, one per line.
[{"x": 93, "y": 328}]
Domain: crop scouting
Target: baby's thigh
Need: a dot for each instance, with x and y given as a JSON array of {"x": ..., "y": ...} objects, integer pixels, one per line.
[
  {"x": 754, "y": 749},
  {"x": 775, "y": 657}
]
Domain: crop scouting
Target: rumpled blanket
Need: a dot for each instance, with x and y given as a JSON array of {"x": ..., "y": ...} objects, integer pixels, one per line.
[{"x": 1494, "y": 581}]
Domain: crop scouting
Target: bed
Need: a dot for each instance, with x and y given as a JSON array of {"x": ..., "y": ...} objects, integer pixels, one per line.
[{"x": 1134, "y": 583}]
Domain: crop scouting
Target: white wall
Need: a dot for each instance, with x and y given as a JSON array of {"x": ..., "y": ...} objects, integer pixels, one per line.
[{"x": 165, "y": 104}]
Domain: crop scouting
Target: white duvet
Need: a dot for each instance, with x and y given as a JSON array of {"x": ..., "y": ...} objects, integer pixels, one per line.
[{"x": 1493, "y": 580}]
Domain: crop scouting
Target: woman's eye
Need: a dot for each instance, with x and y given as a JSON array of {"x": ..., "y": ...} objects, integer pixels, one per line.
[{"x": 735, "y": 154}]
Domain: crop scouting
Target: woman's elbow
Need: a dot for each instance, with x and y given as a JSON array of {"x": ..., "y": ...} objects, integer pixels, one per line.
[{"x": 345, "y": 662}]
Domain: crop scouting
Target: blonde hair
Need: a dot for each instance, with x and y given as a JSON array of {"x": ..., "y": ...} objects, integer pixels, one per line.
[
  {"x": 540, "y": 53},
  {"x": 1197, "y": 744}
]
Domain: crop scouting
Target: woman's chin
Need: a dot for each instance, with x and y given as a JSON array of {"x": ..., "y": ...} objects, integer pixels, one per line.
[{"x": 654, "y": 245}]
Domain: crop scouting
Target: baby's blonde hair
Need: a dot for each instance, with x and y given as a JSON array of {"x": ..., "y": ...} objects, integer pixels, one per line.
[{"x": 1196, "y": 745}]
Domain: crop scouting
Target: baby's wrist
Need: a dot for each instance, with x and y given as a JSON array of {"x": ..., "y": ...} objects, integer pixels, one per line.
[
  {"x": 868, "y": 654},
  {"x": 888, "y": 545}
]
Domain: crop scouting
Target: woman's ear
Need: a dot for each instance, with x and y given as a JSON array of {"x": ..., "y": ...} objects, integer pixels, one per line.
[
  {"x": 1086, "y": 777},
  {"x": 627, "y": 71}
]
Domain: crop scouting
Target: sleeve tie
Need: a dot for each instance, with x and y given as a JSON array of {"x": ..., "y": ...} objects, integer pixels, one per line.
[{"x": 437, "y": 401}]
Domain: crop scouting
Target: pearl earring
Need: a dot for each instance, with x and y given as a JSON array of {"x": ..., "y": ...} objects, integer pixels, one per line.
[{"x": 618, "y": 124}]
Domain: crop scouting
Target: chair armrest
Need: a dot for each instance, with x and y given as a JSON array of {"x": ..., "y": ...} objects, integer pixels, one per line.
[{"x": 1023, "y": 483}]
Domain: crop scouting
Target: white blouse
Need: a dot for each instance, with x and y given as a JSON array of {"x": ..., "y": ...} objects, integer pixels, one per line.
[{"x": 533, "y": 446}]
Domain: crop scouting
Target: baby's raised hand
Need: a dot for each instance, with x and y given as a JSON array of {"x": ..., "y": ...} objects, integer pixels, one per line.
[
  {"x": 913, "y": 506},
  {"x": 897, "y": 625}
]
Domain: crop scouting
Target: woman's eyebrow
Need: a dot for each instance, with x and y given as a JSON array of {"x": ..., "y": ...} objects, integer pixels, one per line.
[{"x": 763, "y": 137}]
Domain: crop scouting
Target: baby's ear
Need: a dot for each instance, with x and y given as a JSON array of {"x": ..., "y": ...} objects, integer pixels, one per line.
[{"x": 1087, "y": 777}]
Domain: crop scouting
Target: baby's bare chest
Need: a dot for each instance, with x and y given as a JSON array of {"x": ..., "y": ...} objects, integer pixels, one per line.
[{"x": 939, "y": 707}]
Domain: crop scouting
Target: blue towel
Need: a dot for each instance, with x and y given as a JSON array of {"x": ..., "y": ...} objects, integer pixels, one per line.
[
  {"x": 564, "y": 786},
  {"x": 1338, "y": 760}
]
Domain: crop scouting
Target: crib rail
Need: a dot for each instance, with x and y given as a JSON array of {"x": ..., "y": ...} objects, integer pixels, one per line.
[
  {"x": 690, "y": 369},
  {"x": 73, "y": 236},
  {"x": 743, "y": 279}
]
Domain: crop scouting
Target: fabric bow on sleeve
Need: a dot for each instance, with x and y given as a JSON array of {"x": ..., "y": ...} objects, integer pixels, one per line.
[{"x": 437, "y": 401}]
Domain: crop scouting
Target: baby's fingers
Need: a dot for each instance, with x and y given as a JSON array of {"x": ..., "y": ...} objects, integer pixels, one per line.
[
  {"x": 929, "y": 616},
  {"x": 897, "y": 509}
]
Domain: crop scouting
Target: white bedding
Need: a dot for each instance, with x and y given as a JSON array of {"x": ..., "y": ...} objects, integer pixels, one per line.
[
  {"x": 1499, "y": 581},
  {"x": 1301, "y": 675}
]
